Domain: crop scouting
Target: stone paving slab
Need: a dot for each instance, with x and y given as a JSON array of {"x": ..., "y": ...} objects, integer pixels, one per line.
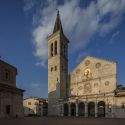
[{"x": 62, "y": 121}]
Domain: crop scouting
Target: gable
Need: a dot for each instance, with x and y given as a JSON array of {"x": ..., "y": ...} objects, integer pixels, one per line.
[
  {"x": 93, "y": 76},
  {"x": 96, "y": 65}
]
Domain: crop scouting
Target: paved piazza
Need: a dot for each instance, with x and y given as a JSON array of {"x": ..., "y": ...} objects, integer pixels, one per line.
[{"x": 62, "y": 121}]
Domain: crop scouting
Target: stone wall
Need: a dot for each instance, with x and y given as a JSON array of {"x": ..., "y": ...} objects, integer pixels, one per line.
[{"x": 14, "y": 101}]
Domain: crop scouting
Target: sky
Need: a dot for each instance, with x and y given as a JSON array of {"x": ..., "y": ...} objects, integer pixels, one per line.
[{"x": 93, "y": 27}]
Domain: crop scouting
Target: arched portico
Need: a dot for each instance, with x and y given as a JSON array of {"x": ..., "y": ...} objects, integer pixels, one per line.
[
  {"x": 101, "y": 109},
  {"x": 73, "y": 109},
  {"x": 81, "y": 108},
  {"x": 91, "y": 109},
  {"x": 66, "y": 109}
]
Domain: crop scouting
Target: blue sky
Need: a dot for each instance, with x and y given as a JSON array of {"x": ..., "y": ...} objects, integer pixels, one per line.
[{"x": 93, "y": 27}]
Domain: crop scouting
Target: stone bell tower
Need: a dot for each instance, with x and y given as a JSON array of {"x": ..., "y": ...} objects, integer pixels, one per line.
[{"x": 57, "y": 67}]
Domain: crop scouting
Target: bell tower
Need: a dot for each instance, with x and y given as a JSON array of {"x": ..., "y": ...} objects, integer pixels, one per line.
[{"x": 57, "y": 67}]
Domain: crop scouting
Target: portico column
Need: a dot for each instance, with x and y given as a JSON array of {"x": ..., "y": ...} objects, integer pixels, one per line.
[
  {"x": 62, "y": 113},
  {"x": 77, "y": 109},
  {"x": 86, "y": 109},
  {"x": 113, "y": 111},
  {"x": 96, "y": 109},
  {"x": 60, "y": 110},
  {"x": 69, "y": 112},
  {"x": 41, "y": 109},
  {"x": 106, "y": 110}
]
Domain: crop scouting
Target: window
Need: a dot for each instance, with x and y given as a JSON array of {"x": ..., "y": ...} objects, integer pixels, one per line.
[
  {"x": 51, "y": 69},
  {"x": 7, "y": 75},
  {"x": 29, "y": 103},
  {"x": 8, "y": 109},
  {"x": 87, "y": 62},
  {"x": 55, "y": 68},
  {"x": 106, "y": 83},
  {"x": 56, "y": 48},
  {"x": 122, "y": 106},
  {"x": 98, "y": 65},
  {"x": 63, "y": 49},
  {"x": 52, "y": 49},
  {"x": 36, "y": 103}
]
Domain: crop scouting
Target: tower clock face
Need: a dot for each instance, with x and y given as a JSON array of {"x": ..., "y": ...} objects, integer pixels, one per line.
[{"x": 87, "y": 73}]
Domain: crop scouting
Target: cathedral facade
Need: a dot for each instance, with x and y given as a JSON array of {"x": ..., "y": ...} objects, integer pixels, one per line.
[{"x": 90, "y": 90}]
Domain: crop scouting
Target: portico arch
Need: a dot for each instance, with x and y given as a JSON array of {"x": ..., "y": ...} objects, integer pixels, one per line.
[
  {"x": 91, "y": 109},
  {"x": 101, "y": 109},
  {"x": 73, "y": 109},
  {"x": 66, "y": 109},
  {"x": 81, "y": 107}
]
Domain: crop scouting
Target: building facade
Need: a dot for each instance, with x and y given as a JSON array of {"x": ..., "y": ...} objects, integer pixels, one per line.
[
  {"x": 34, "y": 106},
  {"x": 11, "y": 98},
  {"x": 90, "y": 90}
]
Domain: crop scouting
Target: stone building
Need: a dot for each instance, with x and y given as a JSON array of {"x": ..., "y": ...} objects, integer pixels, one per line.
[
  {"x": 90, "y": 90},
  {"x": 11, "y": 98},
  {"x": 34, "y": 106}
]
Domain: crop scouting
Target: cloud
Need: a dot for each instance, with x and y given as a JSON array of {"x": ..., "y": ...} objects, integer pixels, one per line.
[
  {"x": 79, "y": 24},
  {"x": 114, "y": 35},
  {"x": 36, "y": 85},
  {"x": 28, "y": 5}
]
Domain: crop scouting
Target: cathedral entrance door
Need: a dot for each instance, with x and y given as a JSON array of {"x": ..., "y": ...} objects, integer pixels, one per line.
[
  {"x": 73, "y": 109},
  {"x": 8, "y": 109},
  {"x": 91, "y": 109},
  {"x": 101, "y": 109}
]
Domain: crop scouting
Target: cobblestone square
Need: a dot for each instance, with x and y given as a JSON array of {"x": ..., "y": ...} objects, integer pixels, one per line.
[{"x": 62, "y": 121}]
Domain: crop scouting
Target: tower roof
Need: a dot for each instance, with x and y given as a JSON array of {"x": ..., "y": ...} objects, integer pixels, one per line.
[{"x": 58, "y": 25}]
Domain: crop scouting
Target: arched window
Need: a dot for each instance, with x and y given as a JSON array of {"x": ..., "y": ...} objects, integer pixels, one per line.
[
  {"x": 51, "y": 49},
  {"x": 55, "y": 47},
  {"x": 122, "y": 105}
]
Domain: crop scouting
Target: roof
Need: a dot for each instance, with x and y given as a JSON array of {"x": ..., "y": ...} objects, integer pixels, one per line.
[
  {"x": 1, "y": 61},
  {"x": 37, "y": 98},
  {"x": 10, "y": 88},
  {"x": 93, "y": 58},
  {"x": 58, "y": 25},
  {"x": 58, "y": 28}
]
